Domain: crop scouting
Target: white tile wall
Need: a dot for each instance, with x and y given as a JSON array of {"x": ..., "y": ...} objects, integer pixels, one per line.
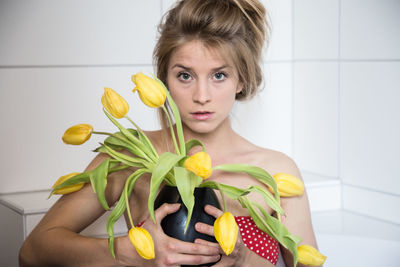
[
  {"x": 266, "y": 120},
  {"x": 39, "y": 104},
  {"x": 379, "y": 205},
  {"x": 46, "y": 32},
  {"x": 316, "y": 117},
  {"x": 316, "y": 29},
  {"x": 370, "y": 125},
  {"x": 280, "y": 13},
  {"x": 369, "y": 29}
]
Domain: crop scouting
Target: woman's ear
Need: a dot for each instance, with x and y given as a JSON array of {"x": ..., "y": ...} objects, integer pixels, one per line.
[{"x": 239, "y": 88}]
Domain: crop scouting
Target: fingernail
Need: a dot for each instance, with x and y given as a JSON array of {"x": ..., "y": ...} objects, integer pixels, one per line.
[{"x": 197, "y": 226}]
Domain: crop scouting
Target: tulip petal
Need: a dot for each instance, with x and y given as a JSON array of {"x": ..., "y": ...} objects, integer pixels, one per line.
[
  {"x": 309, "y": 255},
  {"x": 143, "y": 242},
  {"x": 77, "y": 134},
  {"x": 226, "y": 232}
]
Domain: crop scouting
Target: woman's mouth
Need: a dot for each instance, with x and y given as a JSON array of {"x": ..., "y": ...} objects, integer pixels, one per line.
[{"x": 202, "y": 115}]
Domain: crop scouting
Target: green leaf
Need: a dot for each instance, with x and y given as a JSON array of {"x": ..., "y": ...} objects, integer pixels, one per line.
[
  {"x": 128, "y": 160},
  {"x": 192, "y": 143},
  {"x": 256, "y": 172},
  {"x": 231, "y": 191},
  {"x": 98, "y": 179},
  {"x": 120, "y": 207},
  {"x": 142, "y": 150},
  {"x": 165, "y": 163},
  {"x": 234, "y": 193},
  {"x": 186, "y": 181}
]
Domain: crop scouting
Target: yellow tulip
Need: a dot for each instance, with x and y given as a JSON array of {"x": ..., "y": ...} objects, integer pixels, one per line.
[
  {"x": 68, "y": 189},
  {"x": 288, "y": 185},
  {"x": 151, "y": 92},
  {"x": 200, "y": 164},
  {"x": 77, "y": 134},
  {"x": 308, "y": 255},
  {"x": 142, "y": 241},
  {"x": 226, "y": 231},
  {"x": 115, "y": 104}
]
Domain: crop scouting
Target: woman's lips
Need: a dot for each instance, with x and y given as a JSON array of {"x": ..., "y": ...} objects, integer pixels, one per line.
[{"x": 202, "y": 115}]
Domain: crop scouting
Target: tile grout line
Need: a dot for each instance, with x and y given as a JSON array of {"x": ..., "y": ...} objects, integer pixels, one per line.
[
  {"x": 73, "y": 66},
  {"x": 371, "y": 190},
  {"x": 339, "y": 104},
  {"x": 292, "y": 83}
]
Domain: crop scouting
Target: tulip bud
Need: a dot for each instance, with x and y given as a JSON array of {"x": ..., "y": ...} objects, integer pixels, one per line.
[
  {"x": 151, "y": 92},
  {"x": 308, "y": 255},
  {"x": 288, "y": 185},
  {"x": 142, "y": 241},
  {"x": 77, "y": 134},
  {"x": 200, "y": 164},
  {"x": 115, "y": 104},
  {"x": 226, "y": 231},
  {"x": 67, "y": 189}
]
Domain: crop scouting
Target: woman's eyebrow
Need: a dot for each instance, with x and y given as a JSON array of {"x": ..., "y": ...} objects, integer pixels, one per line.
[{"x": 190, "y": 69}]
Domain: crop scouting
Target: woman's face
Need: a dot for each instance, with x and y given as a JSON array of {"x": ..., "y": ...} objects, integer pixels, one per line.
[{"x": 203, "y": 85}]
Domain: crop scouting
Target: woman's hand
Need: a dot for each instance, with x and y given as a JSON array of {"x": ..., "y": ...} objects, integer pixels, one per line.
[
  {"x": 239, "y": 254},
  {"x": 170, "y": 251}
]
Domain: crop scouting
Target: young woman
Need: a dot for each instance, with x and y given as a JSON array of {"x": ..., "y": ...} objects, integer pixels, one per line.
[{"x": 208, "y": 55}]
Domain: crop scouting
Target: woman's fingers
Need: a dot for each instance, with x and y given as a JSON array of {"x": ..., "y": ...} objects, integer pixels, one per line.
[
  {"x": 213, "y": 211},
  {"x": 184, "y": 259},
  {"x": 164, "y": 210},
  {"x": 204, "y": 228},
  {"x": 180, "y": 252},
  {"x": 192, "y": 248}
]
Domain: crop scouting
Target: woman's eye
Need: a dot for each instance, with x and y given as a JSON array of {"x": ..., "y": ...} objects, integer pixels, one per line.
[
  {"x": 219, "y": 76},
  {"x": 184, "y": 76}
]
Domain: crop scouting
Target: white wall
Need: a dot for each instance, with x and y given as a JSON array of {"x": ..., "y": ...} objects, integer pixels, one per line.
[
  {"x": 346, "y": 92},
  {"x": 330, "y": 98}
]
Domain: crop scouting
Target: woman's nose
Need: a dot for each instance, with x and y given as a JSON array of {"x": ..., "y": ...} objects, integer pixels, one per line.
[{"x": 202, "y": 93}]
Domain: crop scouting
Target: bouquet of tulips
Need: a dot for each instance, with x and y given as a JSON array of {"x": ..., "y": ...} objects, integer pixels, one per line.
[{"x": 176, "y": 169}]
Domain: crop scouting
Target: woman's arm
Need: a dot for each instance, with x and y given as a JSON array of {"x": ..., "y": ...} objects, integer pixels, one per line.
[
  {"x": 297, "y": 216},
  {"x": 55, "y": 240}
]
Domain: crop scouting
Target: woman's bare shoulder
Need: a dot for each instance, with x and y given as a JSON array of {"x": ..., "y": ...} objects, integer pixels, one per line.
[{"x": 272, "y": 161}]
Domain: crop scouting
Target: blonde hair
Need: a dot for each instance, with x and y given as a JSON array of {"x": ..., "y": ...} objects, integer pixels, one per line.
[{"x": 237, "y": 28}]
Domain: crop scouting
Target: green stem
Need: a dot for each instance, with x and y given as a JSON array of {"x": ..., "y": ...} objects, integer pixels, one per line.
[
  {"x": 128, "y": 209},
  {"x": 104, "y": 133},
  {"x": 172, "y": 130},
  {"x": 119, "y": 168},
  {"x": 222, "y": 195},
  {"x": 144, "y": 135}
]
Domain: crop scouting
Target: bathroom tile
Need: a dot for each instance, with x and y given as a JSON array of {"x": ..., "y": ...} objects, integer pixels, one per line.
[
  {"x": 316, "y": 117},
  {"x": 369, "y": 29},
  {"x": 39, "y": 104},
  {"x": 316, "y": 29},
  {"x": 324, "y": 193},
  {"x": 370, "y": 125},
  {"x": 266, "y": 120},
  {"x": 374, "y": 204},
  {"x": 75, "y": 32},
  {"x": 280, "y": 13}
]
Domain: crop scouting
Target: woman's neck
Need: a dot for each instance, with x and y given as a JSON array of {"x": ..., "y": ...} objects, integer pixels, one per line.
[{"x": 216, "y": 141}]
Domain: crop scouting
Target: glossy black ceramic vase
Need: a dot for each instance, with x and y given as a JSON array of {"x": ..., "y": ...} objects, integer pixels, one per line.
[{"x": 174, "y": 224}]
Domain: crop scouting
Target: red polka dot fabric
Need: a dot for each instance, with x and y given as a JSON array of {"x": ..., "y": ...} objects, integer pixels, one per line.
[{"x": 257, "y": 240}]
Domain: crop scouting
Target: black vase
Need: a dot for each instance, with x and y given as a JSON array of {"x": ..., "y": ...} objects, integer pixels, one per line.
[{"x": 174, "y": 224}]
